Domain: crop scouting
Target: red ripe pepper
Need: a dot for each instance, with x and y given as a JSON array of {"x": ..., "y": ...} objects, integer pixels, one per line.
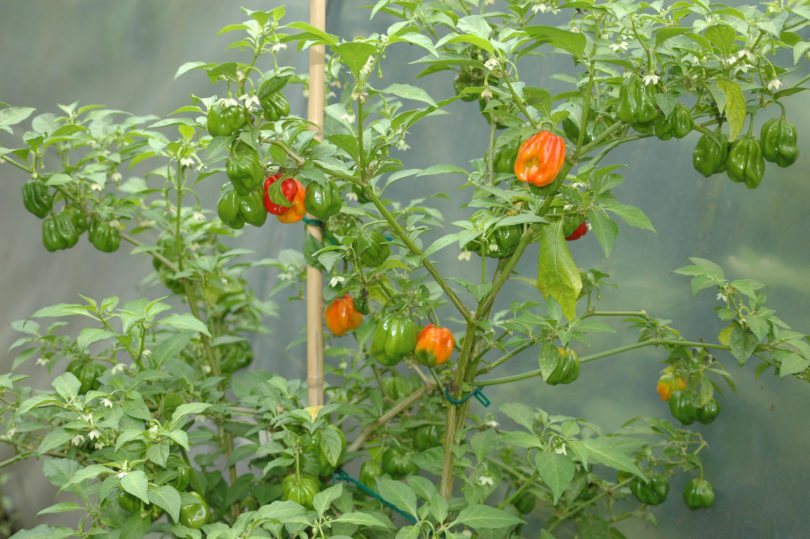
[
  {"x": 434, "y": 345},
  {"x": 341, "y": 316},
  {"x": 580, "y": 231},
  {"x": 292, "y": 191},
  {"x": 540, "y": 159}
]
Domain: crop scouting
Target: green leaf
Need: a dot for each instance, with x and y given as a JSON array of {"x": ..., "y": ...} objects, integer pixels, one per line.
[
  {"x": 407, "y": 91},
  {"x": 398, "y": 494},
  {"x": 188, "y": 66},
  {"x": 603, "y": 227},
  {"x": 486, "y": 517},
  {"x": 363, "y": 519},
  {"x": 190, "y": 408},
  {"x": 324, "y": 498},
  {"x": 735, "y": 110},
  {"x": 548, "y": 359},
  {"x": 331, "y": 445},
  {"x": 167, "y": 498},
  {"x": 310, "y": 33},
  {"x": 632, "y": 216},
  {"x": 520, "y": 414},
  {"x": 14, "y": 115},
  {"x": 440, "y": 244},
  {"x": 556, "y": 470},
  {"x": 355, "y": 54},
  {"x": 557, "y": 273},
  {"x": 45, "y": 531},
  {"x": 282, "y": 511},
  {"x": 561, "y": 39},
  {"x": 722, "y": 36},
  {"x": 607, "y": 451},
  {"x": 666, "y": 33},
  {"x": 442, "y": 169},
  {"x": 62, "y": 309},
  {"x": 52, "y": 440},
  {"x": 743, "y": 343},
  {"x": 185, "y": 321},
  {"x": 170, "y": 348},
  {"x": 521, "y": 439},
  {"x": 88, "y": 336},
  {"x": 88, "y": 472},
  {"x": 59, "y": 179},
  {"x": 790, "y": 362},
  {"x": 62, "y": 507},
  {"x": 136, "y": 483},
  {"x": 67, "y": 385}
]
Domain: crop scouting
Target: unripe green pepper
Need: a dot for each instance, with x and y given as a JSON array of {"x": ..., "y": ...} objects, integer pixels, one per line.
[
  {"x": 778, "y": 141},
  {"x": 745, "y": 162},
  {"x": 66, "y": 229},
  {"x": 683, "y": 405},
  {"x": 464, "y": 80},
  {"x": 236, "y": 356},
  {"x": 567, "y": 369},
  {"x": 653, "y": 491},
  {"x": 244, "y": 168},
  {"x": 104, "y": 237},
  {"x": 393, "y": 339},
  {"x": 323, "y": 201},
  {"x": 525, "y": 502},
  {"x": 195, "y": 514},
  {"x": 37, "y": 197},
  {"x": 79, "y": 219},
  {"x": 499, "y": 243},
  {"x": 708, "y": 412},
  {"x": 251, "y": 207},
  {"x": 87, "y": 373},
  {"x": 427, "y": 436},
  {"x": 681, "y": 121},
  {"x": 398, "y": 463},
  {"x": 128, "y": 502},
  {"x": 300, "y": 489},
  {"x": 372, "y": 249},
  {"x": 698, "y": 493},
  {"x": 275, "y": 106},
  {"x": 228, "y": 209},
  {"x": 225, "y": 117},
  {"x": 504, "y": 160},
  {"x": 50, "y": 236},
  {"x": 369, "y": 472},
  {"x": 636, "y": 103},
  {"x": 711, "y": 154}
]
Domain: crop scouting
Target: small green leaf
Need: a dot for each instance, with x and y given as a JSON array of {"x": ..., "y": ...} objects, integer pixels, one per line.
[
  {"x": 398, "y": 494},
  {"x": 604, "y": 228},
  {"x": 743, "y": 343},
  {"x": 557, "y": 273},
  {"x": 67, "y": 385},
  {"x": 486, "y": 517},
  {"x": 62, "y": 507},
  {"x": 735, "y": 107},
  {"x": 355, "y": 54},
  {"x": 324, "y": 498},
  {"x": 608, "y": 451},
  {"x": 363, "y": 519},
  {"x": 520, "y": 414},
  {"x": 556, "y": 470},
  {"x": 167, "y": 498},
  {"x": 189, "y": 408},
  {"x": 407, "y": 91},
  {"x": 561, "y": 39},
  {"x": 185, "y": 321},
  {"x": 136, "y": 483}
]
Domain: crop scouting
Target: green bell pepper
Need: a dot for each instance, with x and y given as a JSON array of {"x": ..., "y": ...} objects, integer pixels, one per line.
[
  {"x": 104, "y": 237},
  {"x": 393, "y": 339},
  {"x": 499, "y": 243},
  {"x": 228, "y": 209},
  {"x": 372, "y": 249},
  {"x": 194, "y": 514},
  {"x": 683, "y": 405},
  {"x": 300, "y": 489},
  {"x": 37, "y": 197},
  {"x": 244, "y": 168},
  {"x": 323, "y": 201},
  {"x": 398, "y": 463},
  {"x": 653, "y": 491},
  {"x": 708, "y": 412},
  {"x": 745, "y": 162},
  {"x": 567, "y": 369},
  {"x": 275, "y": 106},
  {"x": 225, "y": 117},
  {"x": 636, "y": 103},
  {"x": 711, "y": 154},
  {"x": 698, "y": 493},
  {"x": 778, "y": 141}
]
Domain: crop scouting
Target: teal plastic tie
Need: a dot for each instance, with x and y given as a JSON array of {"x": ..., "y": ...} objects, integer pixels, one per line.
[{"x": 340, "y": 475}]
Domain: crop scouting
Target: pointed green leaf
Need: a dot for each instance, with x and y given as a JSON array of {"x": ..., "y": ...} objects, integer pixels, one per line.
[
  {"x": 556, "y": 470},
  {"x": 735, "y": 107},
  {"x": 557, "y": 273},
  {"x": 486, "y": 517}
]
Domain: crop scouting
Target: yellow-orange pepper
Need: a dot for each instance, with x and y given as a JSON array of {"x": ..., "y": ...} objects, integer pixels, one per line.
[
  {"x": 294, "y": 192},
  {"x": 668, "y": 384},
  {"x": 434, "y": 345},
  {"x": 341, "y": 316},
  {"x": 540, "y": 159}
]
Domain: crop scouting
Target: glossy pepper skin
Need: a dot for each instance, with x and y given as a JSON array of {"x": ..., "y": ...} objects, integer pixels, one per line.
[
  {"x": 225, "y": 117},
  {"x": 567, "y": 369},
  {"x": 427, "y": 436},
  {"x": 708, "y": 412},
  {"x": 37, "y": 197},
  {"x": 372, "y": 249},
  {"x": 504, "y": 160},
  {"x": 369, "y": 472},
  {"x": 274, "y": 106},
  {"x": 653, "y": 491},
  {"x": 668, "y": 384},
  {"x": 778, "y": 141},
  {"x": 636, "y": 102},
  {"x": 394, "y": 338},
  {"x": 87, "y": 372},
  {"x": 434, "y": 345},
  {"x": 228, "y": 209},
  {"x": 66, "y": 229},
  {"x": 79, "y": 219},
  {"x": 710, "y": 155},
  {"x": 300, "y": 489},
  {"x": 398, "y": 463},
  {"x": 500, "y": 243},
  {"x": 683, "y": 406},
  {"x": 294, "y": 192},
  {"x": 236, "y": 356},
  {"x": 195, "y": 514},
  {"x": 540, "y": 158},
  {"x": 678, "y": 124},
  {"x": 323, "y": 201},
  {"x": 525, "y": 502},
  {"x": 104, "y": 237},
  {"x": 244, "y": 168},
  {"x": 698, "y": 493},
  {"x": 574, "y": 229},
  {"x": 745, "y": 162},
  {"x": 341, "y": 316},
  {"x": 50, "y": 236}
]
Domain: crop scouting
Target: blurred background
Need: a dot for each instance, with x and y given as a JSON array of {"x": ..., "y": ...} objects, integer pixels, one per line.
[{"x": 124, "y": 54}]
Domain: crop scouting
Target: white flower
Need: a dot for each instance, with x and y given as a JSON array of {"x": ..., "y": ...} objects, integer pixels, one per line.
[
  {"x": 77, "y": 440},
  {"x": 745, "y": 67},
  {"x": 119, "y": 367},
  {"x": 485, "y": 480},
  {"x": 94, "y": 434},
  {"x": 620, "y": 46},
  {"x": 186, "y": 162},
  {"x": 11, "y": 432},
  {"x": 278, "y": 47},
  {"x": 492, "y": 63},
  {"x": 99, "y": 445},
  {"x": 748, "y": 55},
  {"x": 107, "y": 403},
  {"x": 116, "y": 176},
  {"x": 721, "y": 297},
  {"x": 486, "y": 93},
  {"x": 336, "y": 280},
  {"x": 368, "y": 66},
  {"x": 560, "y": 449},
  {"x": 774, "y": 85},
  {"x": 42, "y": 361},
  {"x": 87, "y": 418},
  {"x": 198, "y": 217},
  {"x": 153, "y": 430},
  {"x": 348, "y": 118},
  {"x": 651, "y": 79},
  {"x": 251, "y": 101},
  {"x": 96, "y": 187},
  {"x": 401, "y": 145},
  {"x": 465, "y": 255},
  {"x": 286, "y": 276},
  {"x": 352, "y": 196},
  {"x": 492, "y": 424},
  {"x": 122, "y": 475},
  {"x": 230, "y": 102}
]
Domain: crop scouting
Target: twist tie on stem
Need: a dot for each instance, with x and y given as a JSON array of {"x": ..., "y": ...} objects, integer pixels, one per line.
[
  {"x": 320, "y": 224},
  {"x": 340, "y": 475},
  {"x": 477, "y": 393}
]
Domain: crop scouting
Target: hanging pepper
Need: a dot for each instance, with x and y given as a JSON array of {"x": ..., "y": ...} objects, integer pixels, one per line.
[
  {"x": 274, "y": 106},
  {"x": 225, "y": 117},
  {"x": 341, "y": 316},
  {"x": 323, "y": 200},
  {"x": 394, "y": 338},
  {"x": 104, "y": 237},
  {"x": 194, "y": 514},
  {"x": 79, "y": 218},
  {"x": 228, "y": 209},
  {"x": 66, "y": 229},
  {"x": 709, "y": 411},
  {"x": 653, "y": 491},
  {"x": 567, "y": 369},
  {"x": 244, "y": 168},
  {"x": 668, "y": 384},
  {"x": 37, "y": 197},
  {"x": 434, "y": 345},
  {"x": 745, "y": 162},
  {"x": 398, "y": 462},
  {"x": 499, "y": 243},
  {"x": 778, "y": 140},
  {"x": 636, "y": 103},
  {"x": 87, "y": 372},
  {"x": 540, "y": 159},
  {"x": 575, "y": 228},
  {"x": 711, "y": 154},
  {"x": 683, "y": 405},
  {"x": 372, "y": 248},
  {"x": 698, "y": 493},
  {"x": 505, "y": 156},
  {"x": 294, "y": 192}
]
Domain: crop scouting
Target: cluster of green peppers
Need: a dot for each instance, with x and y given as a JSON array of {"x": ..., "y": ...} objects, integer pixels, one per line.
[
  {"x": 684, "y": 405},
  {"x": 235, "y": 209},
  {"x": 498, "y": 243},
  {"x": 637, "y": 104},
  {"x": 653, "y": 491},
  {"x": 678, "y": 124}
]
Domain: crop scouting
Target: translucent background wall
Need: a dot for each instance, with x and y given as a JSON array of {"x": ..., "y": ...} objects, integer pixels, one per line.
[{"x": 124, "y": 55}]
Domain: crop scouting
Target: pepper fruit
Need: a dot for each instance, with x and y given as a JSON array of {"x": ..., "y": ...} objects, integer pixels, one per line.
[
  {"x": 341, "y": 316},
  {"x": 397, "y": 387},
  {"x": 369, "y": 472},
  {"x": 636, "y": 103},
  {"x": 87, "y": 372},
  {"x": 66, "y": 229},
  {"x": 505, "y": 156},
  {"x": 79, "y": 218},
  {"x": 195, "y": 514},
  {"x": 371, "y": 249},
  {"x": 668, "y": 384},
  {"x": 398, "y": 463},
  {"x": 244, "y": 168},
  {"x": 711, "y": 153},
  {"x": 225, "y": 118},
  {"x": 540, "y": 158},
  {"x": 653, "y": 491},
  {"x": 593, "y": 129},
  {"x": 300, "y": 489},
  {"x": 500, "y": 243},
  {"x": 236, "y": 356},
  {"x": 50, "y": 237},
  {"x": 778, "y": 141},
  {"x": 128, "y": 502},
  {"x": 104, "y": 237},
  {"x": 37, "y": 197},
  {"x": 323, "y": 201},
  {"x": 434, "y": 345},
  {"x": 525, "y": 502},
  {"x": 361, "y": 302},
  {"x": 574, "y": 229},
  {"x": 274, "y": 106},
  {"x": 462, "y": 81},
  {"x": 698, "y": 493},
  {"x": 745, "y": 162},
  {"x": 393, "y": 339},
  {"x": 567, "y": 369},
  {"x": 294, "y": 192},
  {"x": 427, "y": 436},
  {"x": 708, "y": 412},
  {"x": 683, "y": 405},
  {"x": 251, "y": 207},
  {"x": 228, "y": 209}
]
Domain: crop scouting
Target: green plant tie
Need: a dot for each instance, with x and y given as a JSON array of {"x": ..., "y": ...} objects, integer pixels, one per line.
[
  {"x": 477, "y": 393},
  {"x": 340, "y": 475}
]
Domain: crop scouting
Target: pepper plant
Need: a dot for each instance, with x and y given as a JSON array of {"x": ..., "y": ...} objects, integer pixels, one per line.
[{"x": 155, "y": 421}]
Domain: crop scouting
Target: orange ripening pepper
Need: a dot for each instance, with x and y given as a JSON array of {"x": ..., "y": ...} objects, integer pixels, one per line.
[
  {"x": 668, "y": 384},
  {"x": 434, "y": 345},
  {"x": 294, "y": 192},
  {"x": 341, "y": 316},
  {"x": 540, "y": 159}
]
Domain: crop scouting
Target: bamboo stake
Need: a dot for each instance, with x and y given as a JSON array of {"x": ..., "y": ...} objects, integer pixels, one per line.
[{"x": 317, "y": 18}]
